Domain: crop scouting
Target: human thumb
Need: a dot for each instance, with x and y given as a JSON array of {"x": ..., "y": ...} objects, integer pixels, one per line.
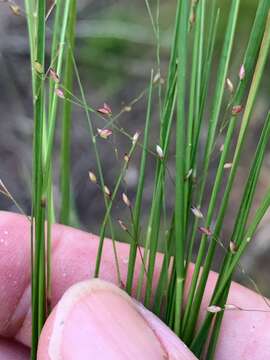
[{"x": 96, "y": 320}]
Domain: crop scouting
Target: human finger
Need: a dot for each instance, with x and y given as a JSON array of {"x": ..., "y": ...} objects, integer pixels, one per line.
[{"x": 97, "y": 320}]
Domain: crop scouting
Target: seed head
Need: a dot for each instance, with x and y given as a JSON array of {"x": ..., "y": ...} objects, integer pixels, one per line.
[
  {"x": 228, "y": 165},
  {"x": 105, "y": 110},
  {"x": 205, "y": 231},
  {"x": 53, "y": 75},
  {"x": 122, "y": 225},
  {"x": 104, "y": 133},
  {"x": 242, "y": 72},
  {"x": 214, "y": 309},
  {"x": 135, "y": 138},
  {"x": 156, "y": 78},
  {"x": 126, "y": 158},
  {"x": 159, "y": 152},
  {"x": 92, "y": 177},
  {"x": 233, "y": 247},
  {"x": 60, "y": 93},
  {"x": 107, "y": 191},
  {"x": 126, "y": 200},
  {"x": 237, "y": 109},
  {"x": 16, "y": 10},
  {"x": 197, "y": 212},
  {"x": 230, "y": 85},
  {"x": 127, "y": 108}
]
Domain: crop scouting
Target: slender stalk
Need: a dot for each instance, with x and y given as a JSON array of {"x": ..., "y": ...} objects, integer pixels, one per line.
[
  {"x": 54, "y": 98},
  {"x": 180, "y": 163},
  {"x": 38, "y": 249},
  {"x": 66, "y": 121},
  {"x": 153, "y": 233},
  {"x": 162, "y": 290},
  {"x": 155, "y": 212},
  {"x": 100, "y": 172},
  {"x": 108, "y": 210},
  {"x": 199, "y": 122},
  {"x": 218, "y": 94},
  {"x": 139, "y": 194}
]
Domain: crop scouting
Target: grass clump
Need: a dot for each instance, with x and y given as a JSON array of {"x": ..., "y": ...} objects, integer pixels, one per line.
[{"x": 190, "y": 104}]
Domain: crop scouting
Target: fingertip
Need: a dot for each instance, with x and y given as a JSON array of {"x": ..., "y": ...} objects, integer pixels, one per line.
[{"x": 95, "y": 319}]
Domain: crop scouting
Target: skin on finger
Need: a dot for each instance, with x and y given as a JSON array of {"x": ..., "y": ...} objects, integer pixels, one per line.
[
  {"x": 11, "y": 350},
  {"x": 73, "y": 260},
  {"x": 96, "y": 320},
  {"x": 14, "y": 272}
]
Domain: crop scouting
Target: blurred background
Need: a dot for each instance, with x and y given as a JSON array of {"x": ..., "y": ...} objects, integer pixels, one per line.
[{"x": 115, "y": 52}]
